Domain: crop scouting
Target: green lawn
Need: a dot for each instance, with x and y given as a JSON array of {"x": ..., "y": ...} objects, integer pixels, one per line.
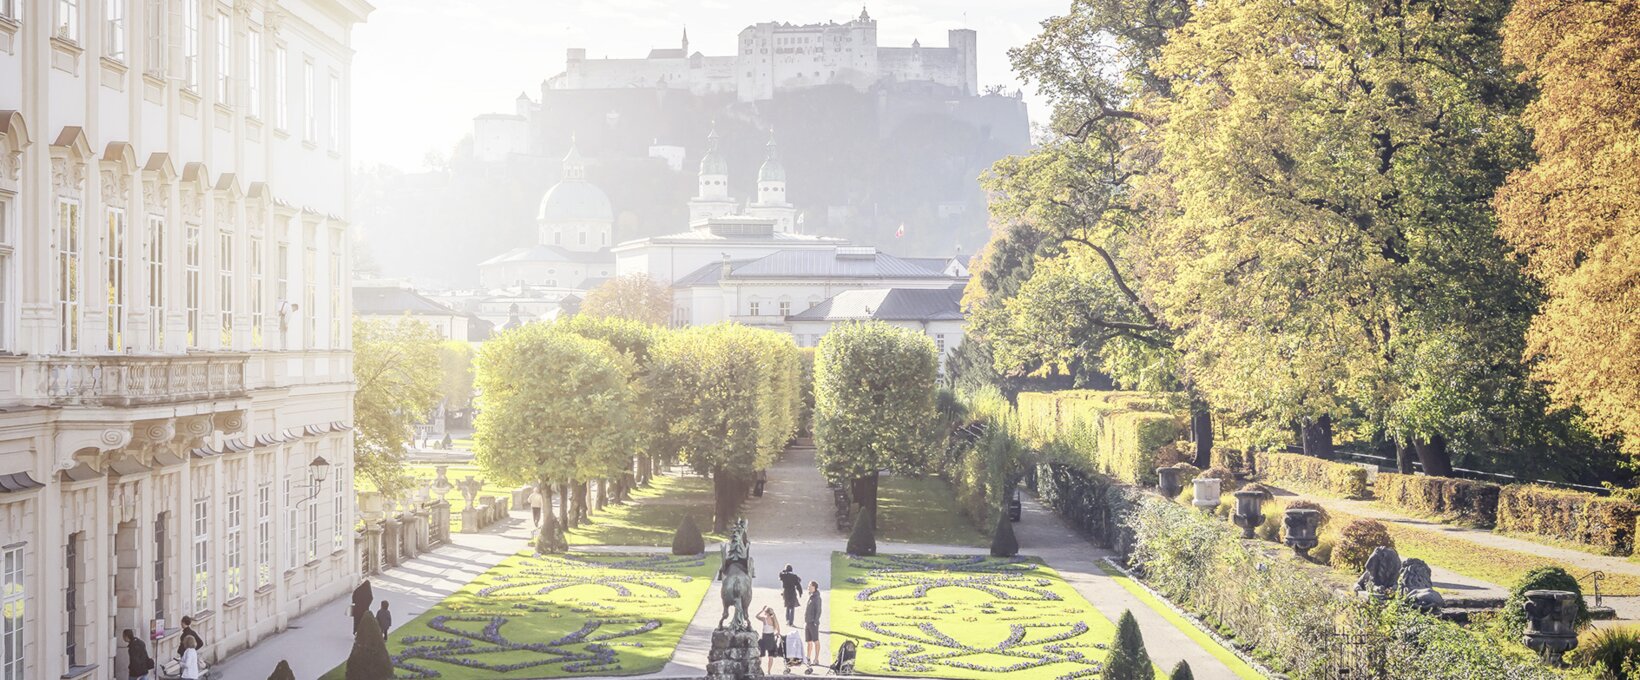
[
  {"x": 964, "y": 617},
  {"x": 1225, "y": 656},
  {"x": 555, "y": 616},
  {"x": 652, "y": 516},
  {"x": 922, "y": 510}
]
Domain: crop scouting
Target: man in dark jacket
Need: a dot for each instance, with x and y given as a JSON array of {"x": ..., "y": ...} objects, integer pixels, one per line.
[
  {"x": 137, "y": 652},
  {"x": 791, "y": 589},
  {"x": 362, "y": 597},
  {"x": 384, "y": 619},
  {"x": 811, "y": 625},
  {"x": 188, "y": 632}
]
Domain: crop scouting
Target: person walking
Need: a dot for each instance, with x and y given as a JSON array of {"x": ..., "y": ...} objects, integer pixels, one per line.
[
  {"x": 189, "y": 634},
  {"x": 811, "y": 625},
  {"x": 188, "y": 660},
  {"x": 384, "y": 619},
  {"x": 791, "y": 589},
  {"x": 536, "y": 503},
  {"x": 140, "y": 664},
  {"x": 362, "y": 597},
  {"x": 768, "y": 646}
]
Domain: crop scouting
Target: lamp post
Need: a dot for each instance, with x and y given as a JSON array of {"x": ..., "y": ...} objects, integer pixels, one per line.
[{"x": 318, "y": 471}]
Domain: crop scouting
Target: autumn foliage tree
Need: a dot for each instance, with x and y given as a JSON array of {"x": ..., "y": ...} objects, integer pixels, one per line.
[
  {"x": 631, "y": 296},
  {"x": 1575, "y": 213}
]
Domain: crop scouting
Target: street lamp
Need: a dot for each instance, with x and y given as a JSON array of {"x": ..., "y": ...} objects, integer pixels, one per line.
[{"x": 318, "y": 470}]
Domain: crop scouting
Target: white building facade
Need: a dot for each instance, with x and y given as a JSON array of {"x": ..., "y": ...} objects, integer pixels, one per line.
[{"x": 175, "y": 369}]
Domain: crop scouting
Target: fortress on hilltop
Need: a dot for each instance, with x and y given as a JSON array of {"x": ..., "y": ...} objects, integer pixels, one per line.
[{"x": 776, "y": 57}]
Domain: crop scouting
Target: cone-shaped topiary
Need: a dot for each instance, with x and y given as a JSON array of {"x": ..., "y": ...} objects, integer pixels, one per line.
[
  {"x": 862, "y": 542},
  {"x": 1003, "y": 543},
  {"x": 1128, "y": 659},
  {"x": 1181, "y": 671},
  {"x": 687, "y": 541},
  {"x": 369, "y": 659}
]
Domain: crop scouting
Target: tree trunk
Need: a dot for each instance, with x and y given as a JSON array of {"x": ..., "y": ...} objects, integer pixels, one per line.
[
  {"x": 1318, "y": 438},
  {"x": 549, "y": 539},
  {"x": 644, "y": 467},
  {"x": 865, "y": 493},
  {"x": 563, "y": 503},
  {"x": 1201, "y": 428},
  {"x": 720, "y": 504},
  {"x": 603, "y": 493},
  {"x": 1433, "y": 454},
  {"x": 1403, "y": 458},
  {"x": 582, "y": 490}
]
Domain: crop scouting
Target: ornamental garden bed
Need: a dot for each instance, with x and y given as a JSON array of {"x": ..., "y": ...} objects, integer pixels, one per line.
[
  {"x": 555, "y": 616},
  {"x": 964, "y": 616}
]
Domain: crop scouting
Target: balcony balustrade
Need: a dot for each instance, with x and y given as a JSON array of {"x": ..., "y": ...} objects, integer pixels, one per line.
[{"x": 143, "y": 380}]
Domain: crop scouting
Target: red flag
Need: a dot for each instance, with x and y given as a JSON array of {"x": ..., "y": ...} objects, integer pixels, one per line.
[{"x": 901, "y": 231}]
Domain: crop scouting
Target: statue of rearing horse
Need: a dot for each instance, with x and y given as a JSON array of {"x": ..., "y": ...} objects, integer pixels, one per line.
[{"x": 736, "y": 573}]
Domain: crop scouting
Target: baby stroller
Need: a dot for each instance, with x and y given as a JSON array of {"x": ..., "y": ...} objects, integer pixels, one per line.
[
  {"x": 794, "y": 650},
  {"x": 844, "y": 665}
]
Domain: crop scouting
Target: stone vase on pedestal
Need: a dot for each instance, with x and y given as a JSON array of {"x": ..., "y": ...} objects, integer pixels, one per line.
[
  {"x": 1207, "y": 494},
  {"x": 1249, "y": 511},
  {"x": 1551, "y": 620},
  {"x": 1170, "y": 481},
  {"x": 1300, "y": 527}
]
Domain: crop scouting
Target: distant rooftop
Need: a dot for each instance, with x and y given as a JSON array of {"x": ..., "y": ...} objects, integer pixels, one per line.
[{"x": 888, "y": 304}]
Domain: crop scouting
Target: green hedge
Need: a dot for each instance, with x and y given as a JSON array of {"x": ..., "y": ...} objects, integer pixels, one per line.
[
  {"x": 1313, "y": 474},
  {"x": 1115, "y": 433},
  {"x": 1606, "y": 525},
  {"x": 1461, "y": 499}
]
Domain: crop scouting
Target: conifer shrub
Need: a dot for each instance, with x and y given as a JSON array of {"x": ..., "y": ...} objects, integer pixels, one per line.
[
  {"x": 1003, "y": 542},
  {"x": 687, "y": 540},
  {"x": 1181, "y": 671},
  {"x": 862, "y": 541},
  {"x": 369, "y": 659},
  {"x": 1128, "y": 659}
]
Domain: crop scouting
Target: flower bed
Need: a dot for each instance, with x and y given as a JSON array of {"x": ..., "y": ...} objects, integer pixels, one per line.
[
  {"x": 967, "y": 616},
  {"x": 556, "y": 616}
]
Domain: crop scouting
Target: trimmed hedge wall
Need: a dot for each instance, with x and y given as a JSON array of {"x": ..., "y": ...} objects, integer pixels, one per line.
[
  {"x": 1604, "y": 524},
  {"x": 1462, "y": 499},
  {"x": 1339, "y": 479},
  {"x": 1115, "y": 433}
]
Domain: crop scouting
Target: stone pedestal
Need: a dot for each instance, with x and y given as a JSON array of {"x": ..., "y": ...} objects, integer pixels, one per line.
[
  {"x": 372, "y": 548},
  {"x": 733, "y": 655},
  {"x": 390, "y": 540}
]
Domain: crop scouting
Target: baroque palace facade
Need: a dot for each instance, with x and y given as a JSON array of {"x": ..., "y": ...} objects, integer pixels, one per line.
[{"x": 175, "y": 374}]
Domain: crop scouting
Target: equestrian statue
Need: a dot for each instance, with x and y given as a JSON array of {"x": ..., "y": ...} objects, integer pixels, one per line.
[{"x": 736, "y": 573}]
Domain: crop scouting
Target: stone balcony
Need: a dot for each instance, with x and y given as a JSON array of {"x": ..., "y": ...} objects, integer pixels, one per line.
[{"x": 142, "y": 380}]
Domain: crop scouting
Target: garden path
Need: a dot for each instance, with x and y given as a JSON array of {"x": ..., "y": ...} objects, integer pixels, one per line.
[
  {"x": 792, "y": 524},
  {"x": 321, "y": 639}
]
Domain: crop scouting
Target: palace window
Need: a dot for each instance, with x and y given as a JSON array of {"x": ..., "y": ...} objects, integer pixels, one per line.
[
  {"x": 293, "y": 529},
  {"x": 8, "y": 9},
  {"x": 114, "y": 250},
  {"x": 939, "y": 342},
  {"x": 201, "y": 590},
  {"x": 310, "y": 287},
  {"x": 224, "y": 278},
  {"x": 281, "y": 89},
  {"x": 264, "y": 535},
  {"x": 335, "y": 112},
  {"x": 253, "y": 73},
  {"x": 161, "y": 568},
  {"x": 68, "y": 20},
  {"x": 339, "y": 527},
  {"x": 338, "y": 321},
  {"x": 11, "y": 614},
  {"x": 114, "y": 21},
  {"x": 156, "y": 282},
  {"x": 68, "y": 274},
  {"x": 785, "y": 308},
  {"x": 154, "y": 26},
  {"x": 236, "y": 518},
  {"x": 190, "y": 44},
  {"x": 8, "y": 255},
  {"x": 312, "y": 508},
  {"x": 754, "y": 307},
  {"x": 224, "y": 58},
  {"x": 71, "y": 598},
  {"x": 191, "y": 273},
  {"x": 258, "y": 304},
  {"x": 310, "y": 120}
]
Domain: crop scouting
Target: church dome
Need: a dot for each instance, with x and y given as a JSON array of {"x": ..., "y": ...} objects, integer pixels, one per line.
[
  {"x": 575, "y": 201},
  {"x": 772, "y": 170},
  {"x": 713, "y": 163}
]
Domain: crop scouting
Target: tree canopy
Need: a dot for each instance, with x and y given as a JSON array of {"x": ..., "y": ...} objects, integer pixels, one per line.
[
  {"x": 635, "y": 297},
  {"x": 1575, "y": 213},
  {"x": 874, "y": 402},
  {"x": 396, "y": 370}
]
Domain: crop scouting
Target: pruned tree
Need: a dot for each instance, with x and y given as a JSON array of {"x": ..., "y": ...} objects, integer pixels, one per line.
[
  {"x": 874, "y": 404},
  {"x": 557, "y": 407}
]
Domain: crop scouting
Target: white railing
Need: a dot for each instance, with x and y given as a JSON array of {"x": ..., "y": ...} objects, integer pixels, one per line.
[{"x": 132, "y": 381}]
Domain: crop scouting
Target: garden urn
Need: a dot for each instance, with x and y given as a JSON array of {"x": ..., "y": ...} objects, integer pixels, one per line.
[
  {"x": 1249, "y": 511},
  {"x": 1301, "y": 525},
  {"x": 1551, "y": 617},
  {"x": 1207, "y": 494},
  {"x": 1170, "y": 481},
  {"x": 372, "y": 504}
]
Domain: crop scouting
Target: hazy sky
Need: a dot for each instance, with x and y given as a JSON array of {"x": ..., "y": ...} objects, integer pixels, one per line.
[{"x": 424, "y": 68}]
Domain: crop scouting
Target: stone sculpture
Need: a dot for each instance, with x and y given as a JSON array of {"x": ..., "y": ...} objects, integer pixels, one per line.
[
  {"x": 1418, "y": 586},
  {"x": 734, "y": 643},
  {"x": 1551, "y": 617},
  {"x": 1382, "y": 572}
]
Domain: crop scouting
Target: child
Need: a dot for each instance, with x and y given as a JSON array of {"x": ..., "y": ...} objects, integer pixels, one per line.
[{"x": 189, "y": 660}]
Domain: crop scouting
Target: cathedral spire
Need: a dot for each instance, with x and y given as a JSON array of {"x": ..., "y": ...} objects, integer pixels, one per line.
[
  {"x": 686, "y": 41},
  {"x": 575, "y": 169}
]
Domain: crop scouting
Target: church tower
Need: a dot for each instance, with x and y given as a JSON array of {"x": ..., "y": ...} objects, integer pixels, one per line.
[
  {"x": 575, "y": 214},
  {"x": 712, "y": 200},
  {"x": 771, "y": 192}
]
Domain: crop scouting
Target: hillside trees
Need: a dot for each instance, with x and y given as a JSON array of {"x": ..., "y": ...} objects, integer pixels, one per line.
[
  {"x": 874, "y": 404},
  {"x": 556, "y": 408},
  {"x": 396, "y": 370},
  {"x": 1575, "y": 213}
]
